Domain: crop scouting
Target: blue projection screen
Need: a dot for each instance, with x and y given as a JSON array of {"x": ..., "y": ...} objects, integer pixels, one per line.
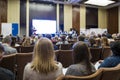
[{"x": 44, "y": 26}]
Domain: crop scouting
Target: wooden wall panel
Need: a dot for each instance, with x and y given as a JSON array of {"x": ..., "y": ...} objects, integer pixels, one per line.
[
  {"x": 91, "y": 17},
  {"x": 76, "y": 18},
  {"x": 3, "y": 12},
  {"x": 112, "y": 20},
  {"x": 61, "y": 17}
]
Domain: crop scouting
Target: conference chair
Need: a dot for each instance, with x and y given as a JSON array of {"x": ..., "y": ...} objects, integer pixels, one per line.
[
  {"x": 95, "y": 76},
  {"x": 111, "y": 73},
  {"x": 65, "y": 46},
  {"x": 21, "y": 60},
  {"x": 27, "y": 49},
  {"x": 106, "y": 52},
  {"x": 65, "y": 57},
  {"x": 96, "y": 54},
  {"x": 8, "y": 62}
]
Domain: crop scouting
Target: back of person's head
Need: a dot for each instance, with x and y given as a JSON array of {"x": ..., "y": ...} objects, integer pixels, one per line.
[
  {"x": 13, "y": 41},
  {"x": 43, "y": 58},
  {"x": 80, "y": 52},
  {"x": 63, "y": 37},
  {"x": 7, "y": 39},
  {"x": 105, "y": 41},
  {"x": 82, "y": 55},
  {"x": 115, "y": 47},
  {"x": 27, "y": 42},
  {"x": 81, "y": 38},
  {"x": 48, "y": 36},
  {"x": 92, "y": 41}
]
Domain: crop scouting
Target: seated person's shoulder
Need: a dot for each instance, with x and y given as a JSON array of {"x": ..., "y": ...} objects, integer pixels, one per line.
[{"x": 6, "y": 74}]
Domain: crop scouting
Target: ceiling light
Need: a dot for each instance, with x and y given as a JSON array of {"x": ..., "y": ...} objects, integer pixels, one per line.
[{"x": 99, "y": 2}]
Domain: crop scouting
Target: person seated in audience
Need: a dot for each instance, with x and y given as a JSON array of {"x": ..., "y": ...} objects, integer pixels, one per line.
[
  {"x": 27, "y": 42},
  {"x": 81, "y": 57},
  {"x": 98, "y": 43},
  {"x": 14, "y": 43},
  {"x": 81, "y": 38},
  {"x": 5, "y": 74},
  {"x": 1, "y": 38},
  {"x": 104, "y": 41},
  {"x": 43, "y": 65},
  {"x": 62, "y": 40},
  {"x": 6, "y": 44},
  {"x": 92, "y": 42},
  {"x": 114, "y": 59}
]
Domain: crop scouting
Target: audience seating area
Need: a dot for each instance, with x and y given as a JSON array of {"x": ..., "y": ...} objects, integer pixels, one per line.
[
  {"x": 16, "y": 62},
  {"x": 22, "y": 49},
  {"x": 100, "y": 74}
]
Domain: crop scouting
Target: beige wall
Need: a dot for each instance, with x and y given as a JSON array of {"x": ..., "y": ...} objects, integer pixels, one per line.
[
  {"x": 102, "y": 18},
  {"x": 13, "y": 11},
  {"x": 82, "y": 17},
  {"x": 13, "y": 16},
  {"x": 67, "y": 17}
]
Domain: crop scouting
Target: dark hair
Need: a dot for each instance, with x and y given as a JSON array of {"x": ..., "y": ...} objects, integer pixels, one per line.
[
  {"x": 82, "y": 53},
  {"x": 92, "y": 41},
  {"x": 81, "y": 38},
  {"x": 115, "y": 47}
]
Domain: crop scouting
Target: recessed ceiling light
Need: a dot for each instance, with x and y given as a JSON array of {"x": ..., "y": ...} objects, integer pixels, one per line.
[{"x": 99, "y": 2}]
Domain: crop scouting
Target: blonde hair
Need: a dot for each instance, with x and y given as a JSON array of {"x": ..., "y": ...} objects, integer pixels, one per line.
[
  {"x": 26, "y": 43},
  {"x": 43, "y": 58},
  {"x": 104, "y": 41}
]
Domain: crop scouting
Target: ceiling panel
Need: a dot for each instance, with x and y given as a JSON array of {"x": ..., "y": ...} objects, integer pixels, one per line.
[{"x": 73, "y": 2}]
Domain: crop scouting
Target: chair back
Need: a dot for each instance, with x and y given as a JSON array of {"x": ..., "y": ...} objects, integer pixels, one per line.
[
  {"x": 8, "y": 62},
  {"x": 18, "y": 48},
  {"x": 22, "y": 59},
  {"x": 56, "y": 54},
  {"x": 95, "y": 76},
  {"x": 106, "y": 52},
  {"x": 27, "y": 49},
  {"x": 96, "y": 54},
  {"x": 111, "y": 73},
  {"x": 65, "y": 46},
  {"x": 65, "y": 57}
]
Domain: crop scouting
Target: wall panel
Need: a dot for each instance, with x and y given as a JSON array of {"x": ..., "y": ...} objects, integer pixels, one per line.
[
  {"x": 82, "y": 17},
  {"x": 76, "y": 18},
  {"x": 91, "y": 17},
  {"x": 67, "y": 17},
  {"x": 61, "y": 17},
  {"x": 112, "y": 20},
  {"x": 3, "y": 12},
  {"x": 102, "y": 18}
]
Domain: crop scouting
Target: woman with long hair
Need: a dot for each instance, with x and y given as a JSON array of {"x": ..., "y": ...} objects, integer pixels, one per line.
[
  {"x": 43, "y": 65},
  {"x": 82, "y": 65},
  {"x": 27, "y": 42},
  {"x": 104, "y": 42}
]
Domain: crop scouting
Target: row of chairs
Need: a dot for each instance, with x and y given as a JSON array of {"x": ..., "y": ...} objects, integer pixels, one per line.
[
  {"x": 22, "y": 49},
  {"x": 100, "y": 53},
  {"x": 16, "y": 62},
  {"x": 101, "y": 74}
]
